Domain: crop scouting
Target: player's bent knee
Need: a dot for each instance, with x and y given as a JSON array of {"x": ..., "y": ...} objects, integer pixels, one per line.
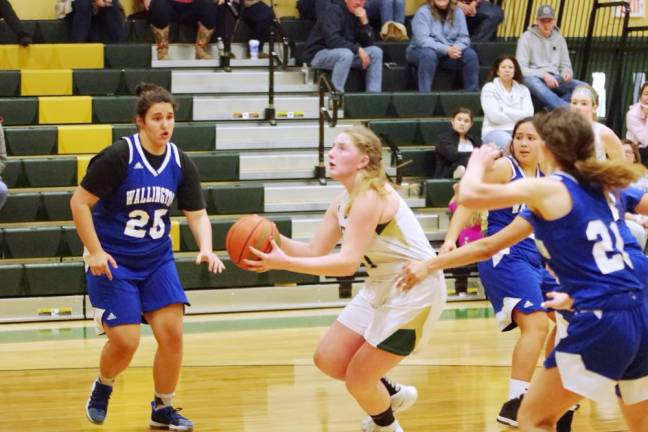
[
  {"x": 328, "y": 366},
  {"x": 125, "y": 346}
]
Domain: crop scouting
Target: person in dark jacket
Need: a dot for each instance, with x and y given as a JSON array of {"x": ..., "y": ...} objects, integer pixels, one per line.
[
  {"x": 455, "y": 146},
  {"x": 341, "y": 39}
]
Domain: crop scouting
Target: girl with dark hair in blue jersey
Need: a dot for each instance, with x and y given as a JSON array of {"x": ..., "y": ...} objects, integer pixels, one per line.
[
  {"x": 514, "y": 278},
  {"x": 121, "y": 213},
  {"x": 604, "y": 345}
]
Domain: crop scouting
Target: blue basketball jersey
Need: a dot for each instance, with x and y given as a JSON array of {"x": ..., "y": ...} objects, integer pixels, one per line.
[
  {"x": 133, "y": 221},
  {"x": 626, "y": 201},
  {"x": 586, "y": 249},
  {"x": 499, "y": 219}
]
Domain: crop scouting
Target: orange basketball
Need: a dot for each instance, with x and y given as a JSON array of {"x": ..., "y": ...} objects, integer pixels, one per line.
[{"x": 250, "y": 230}]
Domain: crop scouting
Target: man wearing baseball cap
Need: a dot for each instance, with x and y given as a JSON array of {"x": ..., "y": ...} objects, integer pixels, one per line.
[{"x": 544, "y": 59}]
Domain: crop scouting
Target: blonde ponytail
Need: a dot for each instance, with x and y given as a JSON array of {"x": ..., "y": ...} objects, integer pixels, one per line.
[{"x": 372, "y": 176}]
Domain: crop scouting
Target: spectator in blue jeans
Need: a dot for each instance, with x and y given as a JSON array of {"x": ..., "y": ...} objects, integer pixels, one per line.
[
  {"x": 4, "y": 192},
  {"x": 341, "y": 39},
  {"x": 386, "y": 10},
  {"x": 483, "y": 17},
  {"x": 108, "y": 14},
  {"x": 544, "y": 59},
  {"x": 440, "y": 38},
  {"x": 203, "y": 13}
]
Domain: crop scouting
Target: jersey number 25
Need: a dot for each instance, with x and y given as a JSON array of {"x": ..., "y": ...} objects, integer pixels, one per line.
[{"x": 139, "y": 219}]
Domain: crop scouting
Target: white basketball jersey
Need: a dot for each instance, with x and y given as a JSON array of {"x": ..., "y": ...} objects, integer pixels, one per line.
[{"x": 394, "y": 243}]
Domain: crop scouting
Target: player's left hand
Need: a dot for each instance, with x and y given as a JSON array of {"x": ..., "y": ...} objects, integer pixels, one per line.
[
  {"x": 272, "y": 260},
  {"x": 558, "y": 300},
  {"x": 484, "y": 156},
  {"x": 214, "y": 264},
  {"x": 412, "y": 273}
]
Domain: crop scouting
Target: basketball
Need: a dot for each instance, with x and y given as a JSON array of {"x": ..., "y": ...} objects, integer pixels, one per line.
[{"x": 250, "y": 230}]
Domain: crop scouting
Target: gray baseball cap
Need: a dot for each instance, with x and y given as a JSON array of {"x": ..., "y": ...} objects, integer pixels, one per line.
[{"x": 546, "y": 12}]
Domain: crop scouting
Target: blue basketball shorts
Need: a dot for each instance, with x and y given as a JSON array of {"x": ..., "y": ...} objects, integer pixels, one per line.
[
  {"x": 133, "y": 292},
  {"x": 600, "y": 349},
  {"x": 513, "y": 282}
]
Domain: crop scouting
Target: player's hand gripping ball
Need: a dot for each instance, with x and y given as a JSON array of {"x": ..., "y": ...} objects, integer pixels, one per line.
[{"x": 250, "y": 230}]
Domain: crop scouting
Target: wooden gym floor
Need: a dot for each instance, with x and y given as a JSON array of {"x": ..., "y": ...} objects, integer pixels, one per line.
[{"x": 253, "y": 372}]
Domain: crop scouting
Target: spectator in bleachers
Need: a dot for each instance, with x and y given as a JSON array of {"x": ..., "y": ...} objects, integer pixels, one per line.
[
  {"x": 632, "y": 154},
  {"x": 637, "y": 123},
  {"x": 258, "y": 16},
  {"x": 384, "y": 11},
  {"x": 544, "y": 58},
  {"x": 162, "y": 12},
  {"x": 504, "y": 100},
  {"x": 483, "y": 17},
  {"x": 84, "y": 15},
  {"x": 469, "y": 233},
  {"x": 440, "y": 38},
  {"x": 341, "y": 39},
  {"x": 637, "y": 223},
  {"x": 9, "y": 15},
  {"x": 4, "y": 192},
  {"x": 585, "y": 101},
  {"x": 455, "y": 146}
]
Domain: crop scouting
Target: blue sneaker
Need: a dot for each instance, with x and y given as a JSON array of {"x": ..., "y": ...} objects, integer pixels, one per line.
[
  {"x": 169, "y": 418},
  {"x": 97, "y": 405}
]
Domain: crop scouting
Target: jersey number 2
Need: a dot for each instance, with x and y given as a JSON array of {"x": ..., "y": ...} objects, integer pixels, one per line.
[
  {"x": 139, "y": 219},
  {"x": 608, "y": 258}
]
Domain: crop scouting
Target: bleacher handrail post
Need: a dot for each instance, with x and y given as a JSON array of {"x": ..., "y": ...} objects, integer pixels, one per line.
[
  {"x": 615, "y": 122},
  {"x": 324, "y": 86},
  {"x": 527, "y": 15},
  {"x": 270, "y": 112},
  {"x": 588, "y": 39},
  {"x": 561, "y": 13}
]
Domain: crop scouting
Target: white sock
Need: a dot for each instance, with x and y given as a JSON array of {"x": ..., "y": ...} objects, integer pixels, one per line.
[
  {"x": 163, "y": 399},
  {"x": 517, "y": 388},
  {"x": 106, "y": 381}
]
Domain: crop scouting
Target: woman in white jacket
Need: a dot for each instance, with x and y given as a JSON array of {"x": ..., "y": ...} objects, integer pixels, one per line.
[{"x": 504, "y": 100}]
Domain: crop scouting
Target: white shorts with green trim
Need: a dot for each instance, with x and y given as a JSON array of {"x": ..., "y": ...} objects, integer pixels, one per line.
[{"x": 401, "y": 323}]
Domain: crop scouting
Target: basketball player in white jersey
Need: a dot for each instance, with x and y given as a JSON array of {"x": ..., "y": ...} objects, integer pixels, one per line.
[{"x": 382, "y": 324}]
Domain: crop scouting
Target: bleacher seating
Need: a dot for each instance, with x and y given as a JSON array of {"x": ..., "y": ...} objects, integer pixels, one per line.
[{"x": 61, "y": 109}]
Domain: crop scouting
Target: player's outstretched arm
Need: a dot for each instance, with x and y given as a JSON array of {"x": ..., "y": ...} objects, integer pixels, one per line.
[
  {"x": 324, "y": 240},
  {"x": 361, "y": 225},
  {"x": 415, "y": 271},
  {"x": 98, "y": 260},
  {"x": 200, "y": 227},
  {"x": 546, "y": 197}
]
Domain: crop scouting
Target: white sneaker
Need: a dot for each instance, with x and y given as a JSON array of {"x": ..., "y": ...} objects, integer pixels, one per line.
[
  {"x": 402, "y": 400},
  {"x": 370, "y": 426}
]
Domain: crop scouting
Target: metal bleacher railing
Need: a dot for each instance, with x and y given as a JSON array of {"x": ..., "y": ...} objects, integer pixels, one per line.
[
  {"x": 326, "y": 116},
  {"x": 606, "y": 51},
  {"x": 275, "y": 29}
]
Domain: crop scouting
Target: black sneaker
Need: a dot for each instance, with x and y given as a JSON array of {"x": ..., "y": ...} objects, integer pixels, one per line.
[
  {"x": 564, "y": 422},
  {"x": 97, "y": 405},
  {"x": 508, "y": 413},
  {"x": 169, "y": 418}
]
